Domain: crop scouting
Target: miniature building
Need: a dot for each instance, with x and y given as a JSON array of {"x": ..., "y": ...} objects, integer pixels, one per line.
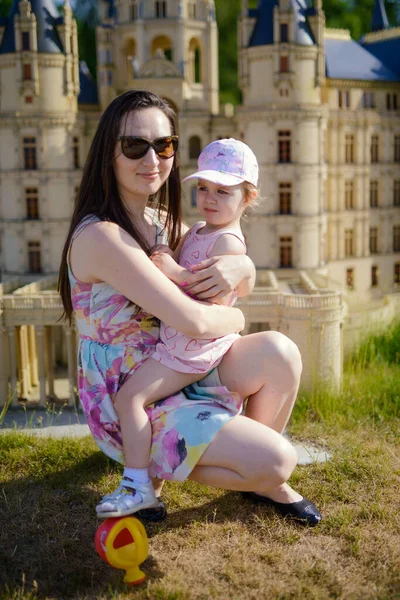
[{"x": 320, "y": 110}]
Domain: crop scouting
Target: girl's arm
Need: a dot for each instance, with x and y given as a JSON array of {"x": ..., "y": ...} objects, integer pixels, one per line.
[{"x": 107, "y": 253}]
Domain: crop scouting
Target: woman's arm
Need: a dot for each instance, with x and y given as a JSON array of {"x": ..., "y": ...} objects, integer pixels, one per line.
[
  {"x": 216, "y": 277},
  {"x": 107, "y": 253}
]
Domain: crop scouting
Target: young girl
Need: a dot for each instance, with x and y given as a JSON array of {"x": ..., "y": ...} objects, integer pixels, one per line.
[{"x": 227, "y": 180}]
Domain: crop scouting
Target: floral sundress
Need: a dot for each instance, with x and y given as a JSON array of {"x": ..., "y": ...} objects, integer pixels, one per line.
[{"x": 113, "y": 342}]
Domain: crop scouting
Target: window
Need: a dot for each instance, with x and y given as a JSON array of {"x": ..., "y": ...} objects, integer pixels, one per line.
[
  {"x": 194, "y": 196},
  {"x": 374, "y": 276},
  {"x": 396, "y": 238},
  {"x": 396, "y": 193},
  {"x": 348, "y": 195},
  {"x": 194, "y": 147},
  {"x": 391, "y": 102},
  {"x": 28, "y": 99},
  {"x": 348, "y": 242},
  {"x": 27, "y": 74},
  {"x": 134, "y": 11},
  {"x": 283, "y": 33},
  {"x": 32, "y": 203},
  {"x": 397, "y": 148},
  {"x": 285, "y": 198},
  {"x": 396, "y": 273},
  {"x": 161, "y": 9},
  {"x": 350, "y": 279},
  {"x": 373, "y": 194},
  {"x": 285, "y": 251},
  {"x": 368, "y": 100},
  {"x": 192, "y": 10},
  {"x": 29, "y": 150},
  {"x": 75, "y": 152},
  {"x": 373, "y": 240},
  {"x": 374, "y": 148},
  {"x": 284, "y": 64},
  {"x": 343, "y": 99},
  {"x": 26, "y": 41},
  {"x": 284, "y": 146},
  {"x": 34, "y": 257},
  {"x": 349, "y": 148}
]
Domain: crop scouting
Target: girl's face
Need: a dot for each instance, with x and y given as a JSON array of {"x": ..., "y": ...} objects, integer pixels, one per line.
[
  {"x": 220, "y": 205},
  {"x": 139, "y": 178}
]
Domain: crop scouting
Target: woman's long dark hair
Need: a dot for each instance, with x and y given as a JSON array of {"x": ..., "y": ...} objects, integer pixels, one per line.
[{"x": 98, "y": 193}]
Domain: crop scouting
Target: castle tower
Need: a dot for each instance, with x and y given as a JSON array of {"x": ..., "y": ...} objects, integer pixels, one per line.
[
  {"x": 281, "y": 70},
  {"x": 169, "y": 47},
  {"x": 38, "y": 154}
]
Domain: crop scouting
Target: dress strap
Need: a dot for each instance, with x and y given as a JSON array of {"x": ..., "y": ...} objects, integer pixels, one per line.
[{"x": 84, "y": 223}]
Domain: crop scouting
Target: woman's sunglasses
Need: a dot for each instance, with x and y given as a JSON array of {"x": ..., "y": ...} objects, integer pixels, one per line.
[{"x": 136, "y": 147}]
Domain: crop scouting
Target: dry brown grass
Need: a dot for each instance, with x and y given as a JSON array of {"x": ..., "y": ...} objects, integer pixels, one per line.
[{"x": 214, "y": 544}]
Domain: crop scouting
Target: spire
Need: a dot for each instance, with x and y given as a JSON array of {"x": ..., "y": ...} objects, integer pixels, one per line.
[{"x": 379, "y": 16}]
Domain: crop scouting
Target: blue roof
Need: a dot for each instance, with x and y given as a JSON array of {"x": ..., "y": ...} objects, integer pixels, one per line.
[
  {"x": 346, "y": 59},
  {"x": 263, "y": 32},
  {"x": 88, "y": 93},
  {"x": 388, "y": 52},
  {"x": 379, "y": 16},
  {"x": 47, "y": 17}
]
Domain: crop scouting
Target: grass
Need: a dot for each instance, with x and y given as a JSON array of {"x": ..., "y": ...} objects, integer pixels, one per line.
[{"x": 214, "y": 544}]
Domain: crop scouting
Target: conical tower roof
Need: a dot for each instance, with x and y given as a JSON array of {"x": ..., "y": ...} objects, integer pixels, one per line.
[
  {"x": 263, "y": 29},
  {"x": 47, "y": 17}
]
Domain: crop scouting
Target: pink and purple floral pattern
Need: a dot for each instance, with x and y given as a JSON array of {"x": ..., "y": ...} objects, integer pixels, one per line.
[{"x": 113, "y": 342}]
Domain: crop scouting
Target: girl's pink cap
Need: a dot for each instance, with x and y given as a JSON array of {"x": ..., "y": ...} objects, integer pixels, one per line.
[{"x": 227, "y": 162}]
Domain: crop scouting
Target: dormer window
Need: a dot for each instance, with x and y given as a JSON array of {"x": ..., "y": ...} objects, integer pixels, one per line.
[
  {"x": 26, "y": 42},
  {"x": 283, "y": 33}
]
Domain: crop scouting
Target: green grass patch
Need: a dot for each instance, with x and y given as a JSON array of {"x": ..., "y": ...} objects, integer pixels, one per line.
[{"x": 215, "y": 544}]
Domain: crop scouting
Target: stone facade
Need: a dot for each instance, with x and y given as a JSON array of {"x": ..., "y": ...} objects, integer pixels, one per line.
[{"x": 328, "y": 226}]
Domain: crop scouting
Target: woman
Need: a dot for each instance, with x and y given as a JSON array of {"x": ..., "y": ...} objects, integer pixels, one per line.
[{"x": 108, "y": 280}]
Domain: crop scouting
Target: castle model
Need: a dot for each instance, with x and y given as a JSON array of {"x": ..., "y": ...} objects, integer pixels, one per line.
[{"x": 320, "y": 110}]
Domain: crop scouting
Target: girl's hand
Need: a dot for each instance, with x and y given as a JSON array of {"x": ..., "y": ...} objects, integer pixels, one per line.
[{"x": 213, "y": 279}]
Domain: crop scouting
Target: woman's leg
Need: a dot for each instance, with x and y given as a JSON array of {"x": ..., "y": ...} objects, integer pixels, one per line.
[
  {"x": 265, "y": 368},
  {"x": 250, "y": 454}
]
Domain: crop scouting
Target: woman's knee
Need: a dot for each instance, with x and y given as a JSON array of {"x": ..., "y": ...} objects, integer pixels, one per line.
[
  {"x": 283, "y": 354},
  {"x": 278, "y": 465}
]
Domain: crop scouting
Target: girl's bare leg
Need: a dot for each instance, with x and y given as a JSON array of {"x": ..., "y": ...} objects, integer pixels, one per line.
[
  {"x": 249, "y": 453},
  {"x": 151, "y": 382}
]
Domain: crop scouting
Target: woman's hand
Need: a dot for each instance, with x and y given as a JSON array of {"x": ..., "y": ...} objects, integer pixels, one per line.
[{"x": 213, "y": 279}]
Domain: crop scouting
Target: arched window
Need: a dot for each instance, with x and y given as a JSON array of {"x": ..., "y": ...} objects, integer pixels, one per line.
[
  {"x": 195, "y": 69},
  {"x": 129, "y": 53},
  {"x": 162, "y": 42},
  {"x": 194, "y": 147}
]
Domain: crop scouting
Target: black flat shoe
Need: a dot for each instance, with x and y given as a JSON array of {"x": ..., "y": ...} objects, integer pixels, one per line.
[
  {"x": 155, "y": 513},
  {"x": 303, "y": 511}
]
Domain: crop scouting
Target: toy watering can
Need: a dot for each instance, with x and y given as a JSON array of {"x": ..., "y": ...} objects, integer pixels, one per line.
[{"x": 123, "y": 543}]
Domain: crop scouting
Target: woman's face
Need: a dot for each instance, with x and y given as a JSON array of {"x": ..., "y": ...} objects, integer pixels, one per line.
[{"x": 139, "y": 178}]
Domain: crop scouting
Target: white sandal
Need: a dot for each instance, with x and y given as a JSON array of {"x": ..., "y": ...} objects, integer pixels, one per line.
[{"x": 120, "y": 502}]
